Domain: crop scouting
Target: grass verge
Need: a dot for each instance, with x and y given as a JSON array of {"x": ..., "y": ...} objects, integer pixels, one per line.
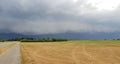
[{"x": 21, "y": 55}]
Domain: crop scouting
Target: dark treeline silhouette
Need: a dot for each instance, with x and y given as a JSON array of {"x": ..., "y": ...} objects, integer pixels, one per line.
[
  {"x": 37, "y": 39},
  {"x": 116, "y": 39}
]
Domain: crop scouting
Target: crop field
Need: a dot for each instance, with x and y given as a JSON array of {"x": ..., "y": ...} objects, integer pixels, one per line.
[
  {"x": 1, "y": 42},
  {"x": 71, "y": 52}
]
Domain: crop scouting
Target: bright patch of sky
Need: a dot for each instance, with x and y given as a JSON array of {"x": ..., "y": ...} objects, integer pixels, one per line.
[{"x": 104, "y": 4}]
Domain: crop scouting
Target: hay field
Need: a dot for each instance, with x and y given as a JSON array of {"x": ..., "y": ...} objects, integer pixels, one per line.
[
  {"x": 1, "y": 42},
  {"x": 71, "y": 52}
]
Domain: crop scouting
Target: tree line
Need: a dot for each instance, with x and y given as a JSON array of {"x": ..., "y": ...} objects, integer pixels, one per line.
[{"x": 37, "y": 39}]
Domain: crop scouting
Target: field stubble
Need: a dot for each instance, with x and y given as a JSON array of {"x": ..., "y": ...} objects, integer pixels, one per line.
[{"x": 70, "y": 53}]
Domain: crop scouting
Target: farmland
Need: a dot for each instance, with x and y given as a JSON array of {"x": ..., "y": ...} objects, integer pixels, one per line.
[{"x": 71, "y": 52}]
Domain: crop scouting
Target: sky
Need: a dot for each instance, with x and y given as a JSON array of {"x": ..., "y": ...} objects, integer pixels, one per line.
[{"x": 39, "y": 17}]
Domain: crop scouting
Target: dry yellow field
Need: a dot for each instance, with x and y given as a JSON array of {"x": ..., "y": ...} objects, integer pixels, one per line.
[
  {"x": 71, "y": 53},
  {"x": 1, "y": 42}
]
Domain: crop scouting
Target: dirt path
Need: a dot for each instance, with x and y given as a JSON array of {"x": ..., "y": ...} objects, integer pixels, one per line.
[
  {"x": 12, "y": 56},
  {"x": 4, "y": 44}
]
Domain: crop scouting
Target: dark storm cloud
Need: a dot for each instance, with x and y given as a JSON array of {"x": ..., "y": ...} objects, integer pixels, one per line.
[{"x": 56, "y": 16}]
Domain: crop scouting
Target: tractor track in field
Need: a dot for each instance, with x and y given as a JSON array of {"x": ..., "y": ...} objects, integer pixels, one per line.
[
  {"x": 93, "y": 59},
  {"x": 73, "y": 54},
  {"x": 30, "y": 59},
  {"x": 87, "y": 54}
]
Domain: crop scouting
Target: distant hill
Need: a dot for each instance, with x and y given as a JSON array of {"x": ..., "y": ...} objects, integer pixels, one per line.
[{"x": 76, "y": 36}]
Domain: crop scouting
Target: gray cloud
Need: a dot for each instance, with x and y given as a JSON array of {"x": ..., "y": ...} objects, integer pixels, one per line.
[{"x": 56, "y": 16}]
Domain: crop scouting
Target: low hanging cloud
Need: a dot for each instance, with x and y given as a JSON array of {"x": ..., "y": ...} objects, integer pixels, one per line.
[{"x": 56, "y": 16}]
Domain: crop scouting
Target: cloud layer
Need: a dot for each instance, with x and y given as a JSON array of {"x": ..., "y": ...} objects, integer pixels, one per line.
[{"x": 56, "y": 16}]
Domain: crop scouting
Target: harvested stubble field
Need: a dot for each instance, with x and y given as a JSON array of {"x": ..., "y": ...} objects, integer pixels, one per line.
[
  {"x": 71, "y": 52},
  {"x": 1, "y": 42}
]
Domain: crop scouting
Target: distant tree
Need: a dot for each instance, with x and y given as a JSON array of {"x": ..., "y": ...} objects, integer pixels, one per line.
[
  {"x": 118, "y": 39},
  {"x": 114, "y": 39}
]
